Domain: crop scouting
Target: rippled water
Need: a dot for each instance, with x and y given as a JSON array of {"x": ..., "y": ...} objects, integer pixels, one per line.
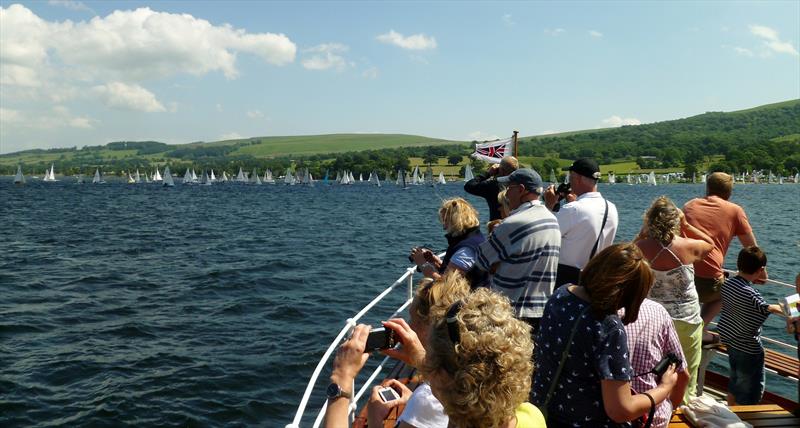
[{"x": 210, "y": 306}]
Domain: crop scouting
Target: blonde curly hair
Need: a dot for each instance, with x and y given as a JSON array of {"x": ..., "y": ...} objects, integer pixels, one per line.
[
  {"x": 433, "y": 297},
  {"x": 663, "y": 220},
  {"x": 486, "y": 375},
  {"x": 458, "y": 215}
]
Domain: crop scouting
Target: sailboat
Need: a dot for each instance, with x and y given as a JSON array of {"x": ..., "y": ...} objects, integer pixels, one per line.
[
  {"x": 130, "y": 178},
  {"x": 79, "y": 179},
  {"x": 361, "y": 177},
  {"x": 797, "y": 178},
  {"x": 224, "y": 177},
  {"x": 187, "y": 177},
  {"x": 651, "y": 179},
  {"x": 240, "y": 176},
  {"x": 137, "y": 178},
  {"x": 254, "y": 178},
  {"x": 703, "y": 178},
  {"x": 50, "y": 175},
  {"x": 212, "y": 177},
  {"x": 268, "y": 177},
  {"x": 288, "y": 178},
  {"x": 553, "y": 179},
  {"x": 157, "y": 175},
  {"x": 167, "y": 178},
  {"x": 441, "y": 178},
  {"x": 468, "y": 175},
  {"x": 630, "y": 178},
  {"x": 415, "y": 180},
  {"x": 194, "y": 176},
  {"x": 373, "y": 178},
  {"x": 205, "y": 180},
  {"x": 98, "y": 179},
  {"x": 19, "y": 178},
  {"x": 612, "y": 179}
]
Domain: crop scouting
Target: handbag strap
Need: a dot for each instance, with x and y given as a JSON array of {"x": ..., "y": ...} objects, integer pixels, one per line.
[
  {"x": 561, "y": 363},
  {"x": 602, "y": 226}
]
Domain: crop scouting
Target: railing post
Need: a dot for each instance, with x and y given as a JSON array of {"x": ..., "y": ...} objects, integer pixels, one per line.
[{"x": 410, "y": 285}]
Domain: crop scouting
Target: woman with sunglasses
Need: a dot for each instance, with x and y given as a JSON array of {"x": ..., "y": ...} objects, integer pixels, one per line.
[{"x": 583, "y": 372}]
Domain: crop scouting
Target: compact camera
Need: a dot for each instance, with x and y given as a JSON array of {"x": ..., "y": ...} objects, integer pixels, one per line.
[
  {"x": 388, "y": 394},
  {"x": 665, "y": 362},
  {"x": 562, "y": 191},
  {"x": 428, "y": 254},
  {"x": 380, "y": 338}
]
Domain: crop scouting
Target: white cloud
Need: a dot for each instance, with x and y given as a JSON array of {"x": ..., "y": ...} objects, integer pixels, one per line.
[
  {"x": 326, "y": 56},
  {"x": 370, "y": 73},
  {"x": 414, "y": 42},
  {"x": 742, "y": 51},
  {"x": 595, "y": 33},
  {"x": 128, "y": 45},
  {"x": 230, "y": 136},
  {"x": 481, "y": 136},
  {"x": 255, "y": 114},
  {"x": 57, "y": 117},
  {"x": 548, "y": 132},
  {"x": 70, "y": 4},
  {"x": 10, "y": 116},
  {"x": 130, "y": 97},
  {"x": 616, "y": 121},
  {"x": 554, "y": 32},
  {"x": 508, "y": 20},
  {"x": 772, "y": 41}
]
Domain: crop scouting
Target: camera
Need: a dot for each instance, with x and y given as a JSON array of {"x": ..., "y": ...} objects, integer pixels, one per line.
[
  {"x": 665, "y": 362},
  {"x": 388, "y": 394},
  {"x": 562, "y": 191},
  {"x": 380, "y": 338},
  {"x": 428, "y": 254}
]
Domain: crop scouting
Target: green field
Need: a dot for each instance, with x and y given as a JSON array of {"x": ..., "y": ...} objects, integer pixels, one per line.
[{"x": 333, "y": 143}]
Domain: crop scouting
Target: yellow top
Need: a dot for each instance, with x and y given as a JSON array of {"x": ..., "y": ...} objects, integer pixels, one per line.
[{"x": 528, "y": 416}]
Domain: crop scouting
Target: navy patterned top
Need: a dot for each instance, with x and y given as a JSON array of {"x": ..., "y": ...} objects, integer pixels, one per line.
[{"x": 599, "y": 351}]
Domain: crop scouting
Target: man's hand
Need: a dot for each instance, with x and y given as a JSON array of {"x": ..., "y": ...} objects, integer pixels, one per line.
[
  {"x": 550, "y": 197},
  {"x": 494, "y": 169}
]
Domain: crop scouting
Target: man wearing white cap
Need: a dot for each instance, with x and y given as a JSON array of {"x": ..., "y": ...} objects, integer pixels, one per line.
[{"x": 587, "y": 224}]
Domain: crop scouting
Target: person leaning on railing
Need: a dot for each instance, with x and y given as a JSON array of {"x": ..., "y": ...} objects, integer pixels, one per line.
[{"x": 583, "y": 373}]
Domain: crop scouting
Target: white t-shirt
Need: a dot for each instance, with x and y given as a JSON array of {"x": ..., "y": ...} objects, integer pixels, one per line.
[
  {"x": 423, "y": 410},
  {"x": 579, "y": 222}
]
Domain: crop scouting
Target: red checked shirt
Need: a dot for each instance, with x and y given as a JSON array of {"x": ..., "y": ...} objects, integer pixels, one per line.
[{"x": 651, "y": 337}]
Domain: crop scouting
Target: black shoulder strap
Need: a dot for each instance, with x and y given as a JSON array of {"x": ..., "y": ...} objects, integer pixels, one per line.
[{"x": 602, "y": 226}]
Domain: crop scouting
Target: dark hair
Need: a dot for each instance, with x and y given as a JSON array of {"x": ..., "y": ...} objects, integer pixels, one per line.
[
  {"x": 617, "y": 277},
  {"x": 751, "y": 259}
]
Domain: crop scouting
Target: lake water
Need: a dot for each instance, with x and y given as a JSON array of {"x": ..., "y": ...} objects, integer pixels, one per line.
[{"x": 210, "y": 306}]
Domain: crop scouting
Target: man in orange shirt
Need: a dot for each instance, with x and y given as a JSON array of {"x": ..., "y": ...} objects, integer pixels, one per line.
[{"x": 721, "y": 220}]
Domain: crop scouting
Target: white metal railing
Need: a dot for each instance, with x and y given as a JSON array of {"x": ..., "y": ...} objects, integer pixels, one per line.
[{"x": 408, "y": 279}]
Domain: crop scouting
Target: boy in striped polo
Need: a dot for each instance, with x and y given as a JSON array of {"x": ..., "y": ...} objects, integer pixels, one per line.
[{"x": 743, "y": 313}]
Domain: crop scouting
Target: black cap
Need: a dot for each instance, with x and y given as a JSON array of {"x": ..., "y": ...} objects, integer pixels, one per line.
[
  {"x": 526, "y": 177},
  {"x": 586, "y": 167}
]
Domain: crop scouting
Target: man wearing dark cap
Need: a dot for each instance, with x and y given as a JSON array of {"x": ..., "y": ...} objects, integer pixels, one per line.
[
  {"x": 587, "y": 224},
  {"x": 523, "y": 249},
  {"x": 485, "y": 185}
]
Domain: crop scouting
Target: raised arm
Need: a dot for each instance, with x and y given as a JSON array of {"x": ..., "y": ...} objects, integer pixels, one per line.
[{"x": 350, "y": 358}]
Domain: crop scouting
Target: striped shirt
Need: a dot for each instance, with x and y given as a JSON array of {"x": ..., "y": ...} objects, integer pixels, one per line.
[
  {"x": 743, "y": 313},
  {"x": 525, "y": 246},
  {"x": 650, "y": 338}
]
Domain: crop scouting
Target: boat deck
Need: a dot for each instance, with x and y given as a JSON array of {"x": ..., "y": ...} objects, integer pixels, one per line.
[{"x": 761, "y": 415}]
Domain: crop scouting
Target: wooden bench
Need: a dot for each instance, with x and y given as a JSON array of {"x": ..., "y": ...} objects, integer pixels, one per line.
[{"x": 761, "y": 415}]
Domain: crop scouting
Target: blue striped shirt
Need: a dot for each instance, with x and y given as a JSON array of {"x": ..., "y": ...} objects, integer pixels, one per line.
[
  {"x": 743, "y": 313},
  {"x": 525, "y": 246}
]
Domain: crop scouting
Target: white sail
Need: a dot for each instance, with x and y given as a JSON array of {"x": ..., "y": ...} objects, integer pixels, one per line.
[
  {"x": 703, "y": 178},
  {"x": 268, "y": 177},
  {"x": 137, "y": 177},
  {"x": 97, "y": 178},
  {"x": 254, "y": 178},
  {"x": 19, "y": 178},
  {"x": 288, "y": 178},
  {"x": 213, "y": 177},
  {"x": 639, "y": 179},
  {"x": 630, "y": 177},
  {"x": 352, "y": 180},
  {"x": 441, "y": 178},
  {"x": 205, "y": 180},
  {"x": 361, "y": 177},
  {"x": 51, "y": 174},
  {"x": 797, "y": 177},
  {"x": 612, "y": 179},
  {"x": 130, "y": 178},
  {"x": 157, "y": 176},
  {"x": 240, "y": 178},
  {"x": 651, "y": 179},
  {"x": 168, "y": 178},
  {"x": 415, "y": 177},
  {"x": 187, "y": 177},
  {"x": 468, "y": 175},
  {"x": 780, "y": 179}
]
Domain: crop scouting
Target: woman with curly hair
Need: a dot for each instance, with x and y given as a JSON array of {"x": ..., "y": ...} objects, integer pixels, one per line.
[
  {"x": 460, "y": 220},
  {"x": 671, "y": 257},
  {"x": 583, "y": 372}
]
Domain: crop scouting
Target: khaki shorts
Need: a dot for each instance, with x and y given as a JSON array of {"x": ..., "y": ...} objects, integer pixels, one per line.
[{"x": 708, "y": 289}]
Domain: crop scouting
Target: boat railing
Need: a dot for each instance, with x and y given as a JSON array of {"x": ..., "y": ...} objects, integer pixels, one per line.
[{"x": 408, "y": 279}]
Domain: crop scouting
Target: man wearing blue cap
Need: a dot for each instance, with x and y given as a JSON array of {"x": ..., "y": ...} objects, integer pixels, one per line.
[
  {"x": 587, "y": 224},
  {"x": 523, "y": 249}
]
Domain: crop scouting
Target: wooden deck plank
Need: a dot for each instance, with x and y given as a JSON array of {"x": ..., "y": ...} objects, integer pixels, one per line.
[{"x": 760, "y": 415}]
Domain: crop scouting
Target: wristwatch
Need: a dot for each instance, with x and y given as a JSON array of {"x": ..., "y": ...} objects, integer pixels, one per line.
[{"x": 335, "y": 391}]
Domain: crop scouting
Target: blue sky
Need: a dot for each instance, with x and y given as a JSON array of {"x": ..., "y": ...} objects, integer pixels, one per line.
[{"x": 86, "y": 73}]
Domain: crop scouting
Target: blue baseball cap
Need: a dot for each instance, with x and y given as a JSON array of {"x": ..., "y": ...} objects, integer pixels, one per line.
[{"x": 526, "y": 177}]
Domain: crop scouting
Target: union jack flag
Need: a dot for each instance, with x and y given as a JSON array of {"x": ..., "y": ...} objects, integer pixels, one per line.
[{"x": 494, "y": 151}]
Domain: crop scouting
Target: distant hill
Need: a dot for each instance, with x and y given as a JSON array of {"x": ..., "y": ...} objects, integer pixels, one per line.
[{"x": 763, "y": 137}]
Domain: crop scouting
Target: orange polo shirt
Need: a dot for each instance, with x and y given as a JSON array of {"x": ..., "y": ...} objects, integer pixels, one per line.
[{"x": 721, "y": 220}]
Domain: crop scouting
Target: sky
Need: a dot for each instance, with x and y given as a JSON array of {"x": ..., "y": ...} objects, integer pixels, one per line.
[{"x": 78, "y": 73}]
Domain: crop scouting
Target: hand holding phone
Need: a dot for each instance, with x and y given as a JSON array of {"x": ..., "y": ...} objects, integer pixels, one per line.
[{"x": 388, "y": 394}]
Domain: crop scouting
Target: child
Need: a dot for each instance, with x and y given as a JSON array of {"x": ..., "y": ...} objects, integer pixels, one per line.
[{"x": 743, "y": 313}]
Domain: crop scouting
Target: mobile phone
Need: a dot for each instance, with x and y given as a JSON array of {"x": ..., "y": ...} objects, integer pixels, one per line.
[
  {"x": 380, "y": 338},
  {"x": 388, "y": 394}
]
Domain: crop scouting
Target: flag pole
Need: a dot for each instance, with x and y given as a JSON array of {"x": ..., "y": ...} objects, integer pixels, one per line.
[{"x": 515, "y": 143}]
